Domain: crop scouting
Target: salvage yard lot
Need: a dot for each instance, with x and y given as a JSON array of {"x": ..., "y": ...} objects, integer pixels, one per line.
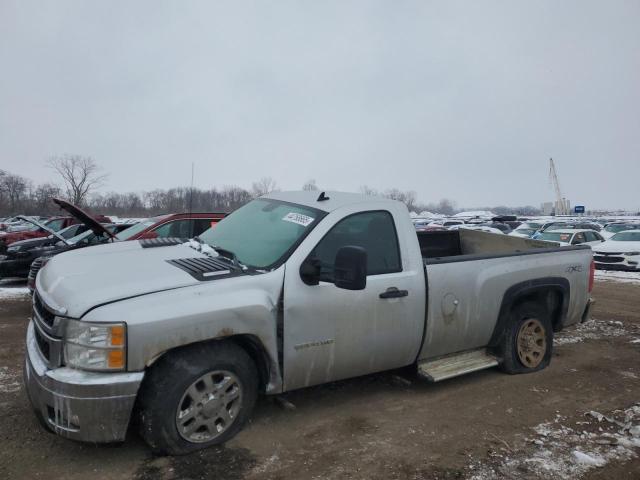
[{"x": 580, "y": 418}]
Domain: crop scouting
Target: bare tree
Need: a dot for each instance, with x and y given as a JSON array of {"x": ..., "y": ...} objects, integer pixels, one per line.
[
  {"x": 80, "y": 174},
  {"x": 15, "y": 189},
  {"x": 263, "y": 186},
  {"x": 310, "y": 185},
  {"x": 41, "y": 198}
]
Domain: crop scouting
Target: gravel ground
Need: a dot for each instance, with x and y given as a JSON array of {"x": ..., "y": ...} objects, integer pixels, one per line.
[{"x": 580, "y": 418}]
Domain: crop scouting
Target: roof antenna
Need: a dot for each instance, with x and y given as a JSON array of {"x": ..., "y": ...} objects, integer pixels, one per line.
[{"x": 322, "y": 197}]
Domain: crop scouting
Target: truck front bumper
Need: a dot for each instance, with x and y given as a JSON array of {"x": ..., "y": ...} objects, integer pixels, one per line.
[{"x": 85, "y": 406}]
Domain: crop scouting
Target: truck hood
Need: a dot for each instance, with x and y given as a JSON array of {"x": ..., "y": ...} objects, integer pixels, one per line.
[
  {"x": 611, "y": 246},
  {"x": 74, "y": 282},
  {"x": 83, "y": 217}
]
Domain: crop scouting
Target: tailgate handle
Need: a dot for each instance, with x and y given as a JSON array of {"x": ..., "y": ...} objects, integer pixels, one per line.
[{"x": 393, "y": 292}]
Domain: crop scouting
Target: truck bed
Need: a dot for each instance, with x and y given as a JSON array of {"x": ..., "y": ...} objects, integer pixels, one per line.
[{"x": 438, "y": 245}]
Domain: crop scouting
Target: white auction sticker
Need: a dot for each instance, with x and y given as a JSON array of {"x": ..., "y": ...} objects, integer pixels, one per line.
[{"x": 298, "y": 218}]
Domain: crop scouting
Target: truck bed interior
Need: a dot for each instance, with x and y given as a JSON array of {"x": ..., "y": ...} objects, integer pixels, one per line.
[{"x": 456, "y": 243}]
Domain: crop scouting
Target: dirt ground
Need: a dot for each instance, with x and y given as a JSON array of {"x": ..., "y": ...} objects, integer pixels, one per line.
[{"x": 577, "y": 419}]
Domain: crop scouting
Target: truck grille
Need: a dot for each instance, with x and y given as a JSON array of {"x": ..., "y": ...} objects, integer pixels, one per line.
[
  {"x": 603, "y": 259},
  {"x": 46, "y": 333},
  {"x": 45, "y": 315},
  {"x": 35, "y": 268},
  {"x": 43, "y": 345}
]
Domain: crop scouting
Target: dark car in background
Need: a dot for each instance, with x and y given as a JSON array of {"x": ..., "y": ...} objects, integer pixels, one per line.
[
  {"x": 54, "y": 224},
  {"x": 19, "y": 255}
]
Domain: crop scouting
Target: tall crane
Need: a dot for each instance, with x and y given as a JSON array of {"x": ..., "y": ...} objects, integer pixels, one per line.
[{"x": 561, "y": 203}]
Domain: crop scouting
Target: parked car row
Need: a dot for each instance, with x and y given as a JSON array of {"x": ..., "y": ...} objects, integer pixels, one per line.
[
  {"x": 605, "y": 238},
  {"x": 25, "y": 252}
]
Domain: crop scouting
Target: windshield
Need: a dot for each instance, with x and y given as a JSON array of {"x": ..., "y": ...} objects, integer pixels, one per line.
[
  {"x": 138, "y": 227},
  {"x": 90, "y": 237},
  {"x": 626, "y": 237},
  {"x": 555, "y": 237},
  {"x": 620, "y": 228},
  {"x": 56, "y": 224},
  {"x": 531, "y": 225},
  {"x": 68, "y": 232},
  {"x": 558, "y": 226},
  {"x": 261, "y": 233}
]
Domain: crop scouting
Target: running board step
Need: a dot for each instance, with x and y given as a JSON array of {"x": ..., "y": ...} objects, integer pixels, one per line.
[{"x": 451, "y": 366}]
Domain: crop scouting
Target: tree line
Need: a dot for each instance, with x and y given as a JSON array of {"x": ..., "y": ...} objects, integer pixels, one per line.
[{"x": 81, "y": 177}]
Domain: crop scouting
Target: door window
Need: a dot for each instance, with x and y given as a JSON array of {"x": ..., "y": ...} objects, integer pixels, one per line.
[
  {"x": 176, "y": 229},
  {"x": 578, "y": 238},
  {"x": 373, "y": 231},
  {"x": 200, "y": 225}
]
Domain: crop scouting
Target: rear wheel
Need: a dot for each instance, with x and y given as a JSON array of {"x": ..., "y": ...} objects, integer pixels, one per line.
[
  {"x": 197, "y": 397},
  {"x": 528, "y": 341}
]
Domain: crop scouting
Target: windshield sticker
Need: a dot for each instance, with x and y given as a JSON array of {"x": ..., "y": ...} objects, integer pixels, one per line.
[{"x": 298, "y": 218}]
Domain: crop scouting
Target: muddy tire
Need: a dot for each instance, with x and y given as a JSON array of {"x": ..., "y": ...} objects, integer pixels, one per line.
[
  {"x": 528, "y": 341},
  {"x": 197, "y": 397}
]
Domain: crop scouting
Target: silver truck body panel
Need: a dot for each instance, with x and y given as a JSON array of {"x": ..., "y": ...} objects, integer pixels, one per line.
[
  {"x": 465, "y": 296},
  {"x": 119, "y": 270},
  {"x": 242, "y": 305},
  {"x": 331, "y": 333}
]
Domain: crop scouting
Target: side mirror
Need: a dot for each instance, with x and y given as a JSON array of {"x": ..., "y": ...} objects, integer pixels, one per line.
[
  {"x": 310, "y": 271},
  {"x": 350, "y": 268}
]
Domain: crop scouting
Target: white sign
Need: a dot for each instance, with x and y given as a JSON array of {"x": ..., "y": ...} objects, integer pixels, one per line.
[{"x": 298, "y": 218}]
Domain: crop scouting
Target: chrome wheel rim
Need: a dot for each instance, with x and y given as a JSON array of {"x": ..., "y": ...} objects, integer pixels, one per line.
[
  {"x": 531, "y": 343},
  {"x": 209, "y": 406}
]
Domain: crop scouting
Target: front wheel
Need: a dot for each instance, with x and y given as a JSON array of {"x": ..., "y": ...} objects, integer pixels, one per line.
[
  {"x": 197, "y": 397},
  {"x": 528, "y": 341}
]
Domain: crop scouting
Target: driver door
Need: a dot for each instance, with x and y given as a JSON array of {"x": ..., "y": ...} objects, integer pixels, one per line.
[{"x": 332, "y": 333}]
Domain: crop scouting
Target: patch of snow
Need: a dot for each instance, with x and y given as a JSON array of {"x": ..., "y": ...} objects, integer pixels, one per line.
[
  {"x": 8, "y": 381},
  {"x": 560, "y": 451},
  {"x": 474, "y": 214},
  {"x": 201, "y": 247},
  {"x": 11, "y": 293},
  {"x": 590, "y": 330},
  {"x": 595, "y": 460},
  {"x": 620, "y": 277}
]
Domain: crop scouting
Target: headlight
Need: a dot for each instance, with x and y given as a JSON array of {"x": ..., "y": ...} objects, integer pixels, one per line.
[
  {"x": 13, "y": 249},
  {"x": 95, "y": 346},
  {"x": 631, "y": 254}
]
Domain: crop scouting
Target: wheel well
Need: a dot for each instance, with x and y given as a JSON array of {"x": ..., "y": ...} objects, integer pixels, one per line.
[
  {"x": 253, "y": 346},
  {"x": 551, "y": 297},
  {"x": 553, "y": 293},
  {"x": 249, "y": 343}
]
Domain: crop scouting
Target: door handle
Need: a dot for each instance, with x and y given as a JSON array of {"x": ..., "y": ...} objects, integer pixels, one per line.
[{"x": 393, "y": 292}]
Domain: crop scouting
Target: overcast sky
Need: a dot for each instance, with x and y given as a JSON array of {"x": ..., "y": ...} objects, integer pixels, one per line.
[{"x": 463, "y": 100}]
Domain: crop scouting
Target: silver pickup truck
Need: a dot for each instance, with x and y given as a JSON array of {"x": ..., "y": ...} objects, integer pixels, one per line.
[{"x": 293, "y": 289}]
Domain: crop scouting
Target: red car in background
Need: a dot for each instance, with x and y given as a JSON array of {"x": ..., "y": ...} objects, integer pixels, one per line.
[
  {"x": 55, "y": 224},
  {"x": 173, "y": 225}
]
